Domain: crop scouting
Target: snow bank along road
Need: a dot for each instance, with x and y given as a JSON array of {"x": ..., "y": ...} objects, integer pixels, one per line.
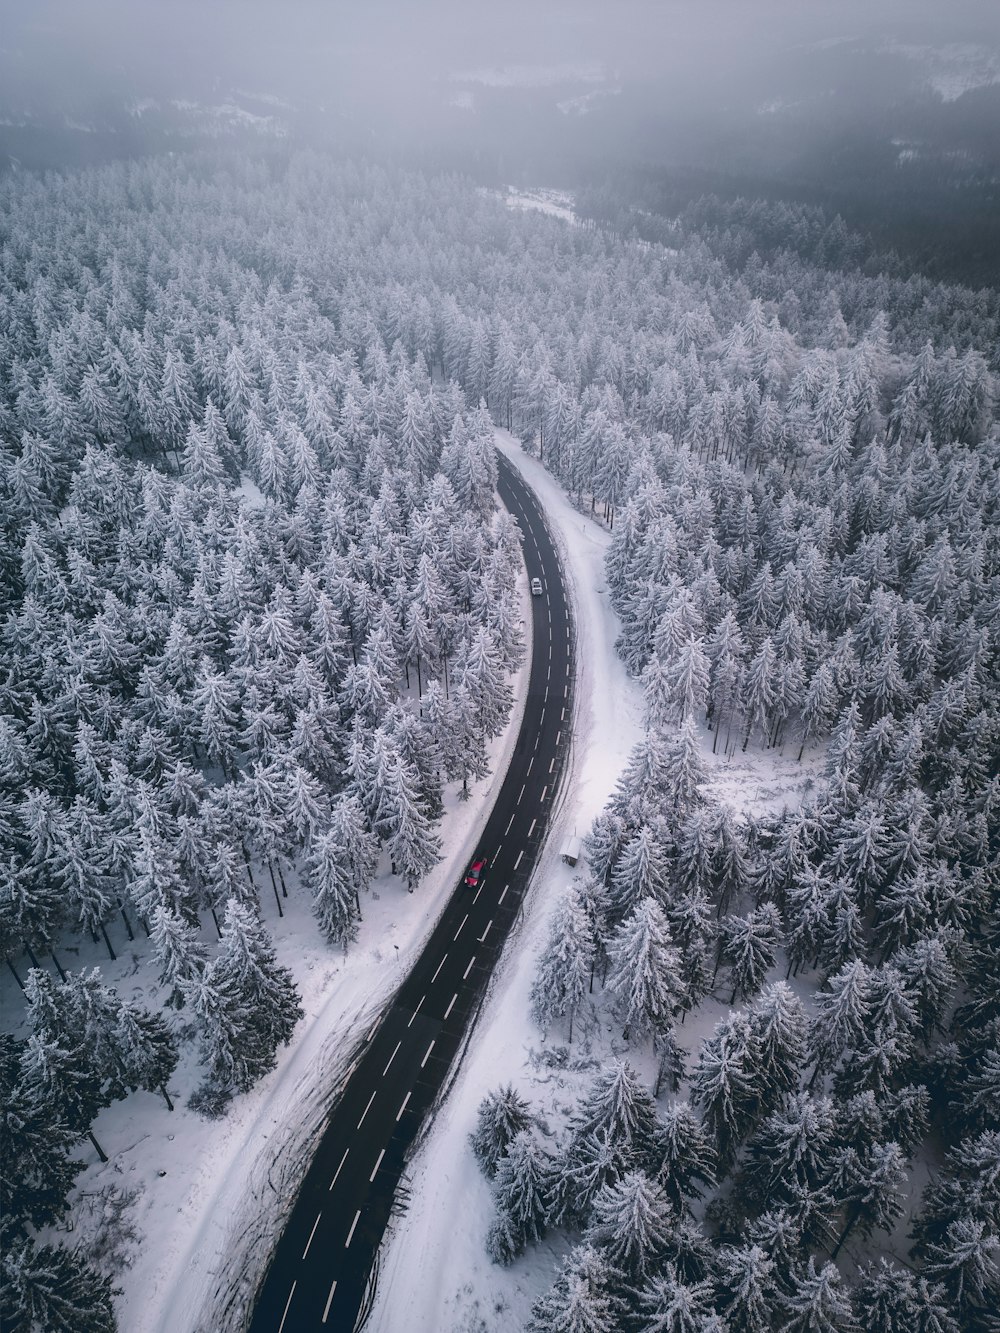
[{"x": 321, "y": 1266}]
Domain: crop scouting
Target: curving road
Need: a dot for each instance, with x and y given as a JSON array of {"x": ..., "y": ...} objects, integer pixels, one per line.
[{"x": 320, "y": 1269}]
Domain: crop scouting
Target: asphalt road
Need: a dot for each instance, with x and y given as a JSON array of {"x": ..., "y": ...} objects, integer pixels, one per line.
[{"x": 320, "y": 1270}]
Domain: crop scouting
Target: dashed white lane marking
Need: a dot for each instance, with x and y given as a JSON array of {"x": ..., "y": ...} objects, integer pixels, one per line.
[
  {"x": 459, "y": 931},
  {"x": 289, "y": 1301},
  {"x": 537, "y": 739},
  {"x": 390, "y": 1059},
  {"x": 419, "y": 1003},
  {"x": 548, "y": 674},
  {"x": 378, "y": 1163},
  {"x": 518, "y": 861},
  {"x": 427, "y": 1055},
  {"x": 510, "y": 821},
  {"x": 337, "y": 1172},
  {"x": 329, "y": 1300},
  {"x": 439, "y": 967},
  {"x": 530, "y": 762},
  {"x": 542, "y": 797},
  {"x": 311, "y": 1234},
  {"x": 451, "y": 1005},
  {"x": 475, "y": 897},
  {"x": 558, "y": 735},
  {"x": 546, "y": 694},
  {"x": 482, "y": 938},
  {"x": 532, "y": 829},
  {"x": 399, "y": 1113},
  {"x": 520, "y": 794},
  {"x": 350, "y": 1234},
  {"x": 552, "y": 763},
  {"x": 562, "y": 715},
  {"x": 469, "y": 968},
  {"x": 566, "y": 687},
  {"x": 365, "y": 1111}
]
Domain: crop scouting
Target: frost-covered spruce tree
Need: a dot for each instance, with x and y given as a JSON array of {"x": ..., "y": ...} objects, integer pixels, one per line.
[
  {"x": 724, "y": 1082},
  {"x": 49, "y": 1287},
  {"x": 819, "y": 1301},
  {"x": 618, "y": 1104},
  {"x": 582, "y": 1299},
  {"x": 580, "y": 1170},
  {"x": 565, "y": 964},
  {"x": 667, "y": 1302},
  {"x": 36, "y": 1172},
  {"x": 780, "y": 1026},
  {"x": 747, "y": 1291},
  {"x": 749, "y": 945},
  {"x": 686, "y": 1159},
  {"x": 245, "y": 1005},
  {"x": 640, "y": 871},
  {"x": 630, "y": 1223},
  {"x": 179, "y": 952},
  {"x": 519, "y": 1191},
  {"x": 334, "y": 896},
  {"x": 502, "y": 1115},
  {"x": 889, "y": 1298},
  {"x": 644, "y": 973}
]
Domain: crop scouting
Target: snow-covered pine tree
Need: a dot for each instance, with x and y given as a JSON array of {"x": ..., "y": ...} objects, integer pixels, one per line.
[
  {"x": 630, "y": 1223},
  {"x": 502, "y": 1115},
  {"x": 645, "y": 969},
  {"x": 519, "y": 1191},
  {"x": 49, "y": 1287},
  {"x": 565, "y": 965}
]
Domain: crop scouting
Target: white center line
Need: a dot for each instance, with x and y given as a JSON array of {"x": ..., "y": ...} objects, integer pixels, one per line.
[
  {"x": 390, "y": 1059},
  {"x": 311, "y": 1234},
  {"x": 417, "y": 1010},
  {"x": 337, "y": 1172},
  {"x": 427, "y": 1055},
  {"x": 546, "y": 694},
  {"x": 287, "y": 1304},
  {"x": 502, "y": 896},
  {"x": 329, "y": 1300},
  {"x": 510, "y": 821},
  {"x": 469, "y": 968},
  {"x": 517, "y": 863},
  {"x": 439, "y": 967},
  {"x": 475, "y": 896},
  {"x": 378, "y": 1163},
  {"x": 459, "y": 931},
  {"x": 350, "y": 1234},
  {"x": 365, "y": 1111},
  {"x": 482, "y": 938},
  {"x": 548, "y": 673},
  {"x": 451, "y": 1005},
  {"x": 532, "y": 829},
  {"x": 399, "y": 1113},
  {"x": 519, "y": 795},
  {"x": 530, "y": 762}
]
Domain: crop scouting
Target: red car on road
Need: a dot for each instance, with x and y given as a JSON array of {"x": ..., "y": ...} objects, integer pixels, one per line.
[{"x": 475, "y": 873}]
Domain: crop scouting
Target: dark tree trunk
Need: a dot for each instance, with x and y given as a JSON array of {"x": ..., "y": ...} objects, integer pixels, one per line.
[
  {"x": 166, "y": 1096},
  {"x": 100, "y": 1151},
  {"x": 111, "y": 951},
  {"x": 13, "y": 972}
]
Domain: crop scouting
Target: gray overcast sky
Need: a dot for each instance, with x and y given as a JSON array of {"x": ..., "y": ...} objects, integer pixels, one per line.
[{"x": 375, "y": 47}]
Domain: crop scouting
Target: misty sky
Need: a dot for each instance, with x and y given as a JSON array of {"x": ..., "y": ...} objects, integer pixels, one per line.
[{"x": 384, "y": 51}]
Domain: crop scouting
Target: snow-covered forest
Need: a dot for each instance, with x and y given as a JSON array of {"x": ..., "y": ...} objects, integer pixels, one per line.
[{"x": 259, "y": 608}]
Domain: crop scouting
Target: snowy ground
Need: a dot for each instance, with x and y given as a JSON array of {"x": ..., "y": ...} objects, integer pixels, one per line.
[
  {"x": 435, "y": 1274},
  {"x": 556, "y": 203},
  {"x": 202, "y": 1197}
]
